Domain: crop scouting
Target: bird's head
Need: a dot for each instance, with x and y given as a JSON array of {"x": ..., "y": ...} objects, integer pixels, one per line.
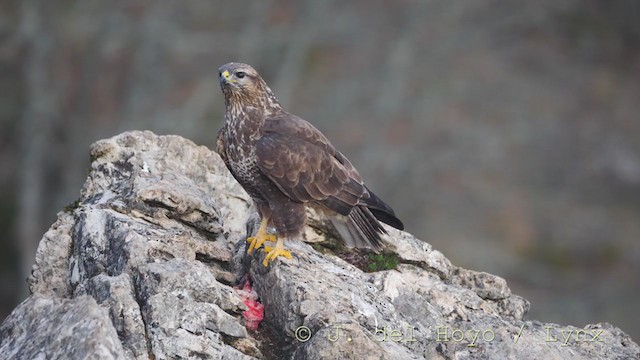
[
  {"x": 238, "y": 78},
  {"x": 241, "y": 82}
]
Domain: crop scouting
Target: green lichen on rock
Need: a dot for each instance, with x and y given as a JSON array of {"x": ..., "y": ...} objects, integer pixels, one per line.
[{"x": 379, "y": 262}]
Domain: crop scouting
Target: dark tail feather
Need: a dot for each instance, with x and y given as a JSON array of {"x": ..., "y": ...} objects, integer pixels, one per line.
[
  {"x": 360, "y": 230},
  {"x": 387, "y": 218},
  {"x": 382, "y": 211}
]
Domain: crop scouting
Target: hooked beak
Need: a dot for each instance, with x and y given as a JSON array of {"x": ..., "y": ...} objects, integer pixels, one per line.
[{"x": 225, "y": 77}]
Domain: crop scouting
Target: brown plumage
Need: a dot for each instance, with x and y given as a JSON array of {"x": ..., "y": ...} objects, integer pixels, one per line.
[{"x": 285, "y": 164}]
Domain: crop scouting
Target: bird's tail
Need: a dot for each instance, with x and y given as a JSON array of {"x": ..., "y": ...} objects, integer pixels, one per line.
[
  {"x": 382, "y": 211},
  {"x": 360, "y": 229}
]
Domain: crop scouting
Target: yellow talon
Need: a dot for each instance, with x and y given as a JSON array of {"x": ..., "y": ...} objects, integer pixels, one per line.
[
  {"x": 256, "y": 242},
  {"x": 260, "y": 238},
  {"x": 273, "y": 253}
]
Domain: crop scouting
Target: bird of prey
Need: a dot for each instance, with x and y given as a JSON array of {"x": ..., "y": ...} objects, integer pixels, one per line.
[{"x": 286, "y": 164}]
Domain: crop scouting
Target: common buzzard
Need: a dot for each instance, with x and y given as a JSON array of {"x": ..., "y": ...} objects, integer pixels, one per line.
[{"x": 285, "y": 164}]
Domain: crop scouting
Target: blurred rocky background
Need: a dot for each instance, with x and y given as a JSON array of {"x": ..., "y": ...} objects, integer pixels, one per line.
[{"x": 504, "y": 133}]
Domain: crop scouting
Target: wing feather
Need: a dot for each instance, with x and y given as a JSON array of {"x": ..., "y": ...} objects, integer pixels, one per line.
[
  {"x": 306, "y": 167},
  {"x": 313, "y": 190}
]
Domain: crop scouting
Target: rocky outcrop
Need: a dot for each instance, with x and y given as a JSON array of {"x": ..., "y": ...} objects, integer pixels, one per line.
[{"x": 145, "y": 263}]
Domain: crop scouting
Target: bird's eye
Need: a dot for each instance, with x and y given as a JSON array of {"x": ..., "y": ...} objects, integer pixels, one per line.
[
  {"x": 219, "y": 73},
  {"x": 240, "y": 74}
]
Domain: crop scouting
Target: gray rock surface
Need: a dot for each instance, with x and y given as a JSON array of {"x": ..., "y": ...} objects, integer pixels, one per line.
[
  {"x": 55, "y": 328},
  {"x": 143, "y": 266}
]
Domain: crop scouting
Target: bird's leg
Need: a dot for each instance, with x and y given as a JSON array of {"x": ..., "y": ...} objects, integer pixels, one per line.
[
  {"x": 262, "y": 236},
  {"x": 273, "y": 253}
]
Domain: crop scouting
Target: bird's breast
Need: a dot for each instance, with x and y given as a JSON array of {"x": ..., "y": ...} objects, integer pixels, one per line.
[{"x": 242, "y": 131}]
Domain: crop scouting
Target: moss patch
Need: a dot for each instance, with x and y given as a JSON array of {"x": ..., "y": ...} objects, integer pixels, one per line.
[{"x": 380, "y": 262}]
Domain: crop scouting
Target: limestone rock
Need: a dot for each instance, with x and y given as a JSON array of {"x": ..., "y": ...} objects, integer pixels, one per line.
[
  {"x": 54, "y": 328},
  {"x": 144, "y": 267}
]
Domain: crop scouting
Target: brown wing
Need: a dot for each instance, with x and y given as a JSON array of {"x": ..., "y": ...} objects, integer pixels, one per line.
[
  {"x": 294, "y": 126},
  {"x": 306, "y": 167}
]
